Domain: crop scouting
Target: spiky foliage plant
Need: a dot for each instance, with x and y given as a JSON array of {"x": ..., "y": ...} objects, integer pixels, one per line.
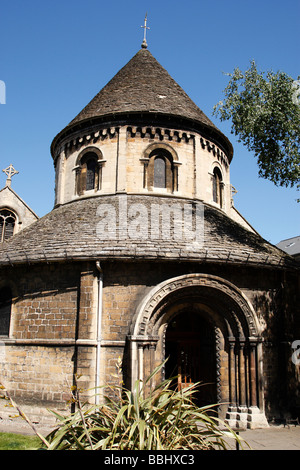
[{"x": 166, "y": 419}]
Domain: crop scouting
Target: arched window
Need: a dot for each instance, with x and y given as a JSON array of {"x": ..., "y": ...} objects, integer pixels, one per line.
[
  {"x": 5, "y": 310},
  {"x": 217, "y": 187},
  {"x": 160, "y": 170},
  {"x": 90, "y": 173},
  {"x": 7, "y": 224},
  {"x": 159, "y": 179},
  {"x": 88, "y": 176}
]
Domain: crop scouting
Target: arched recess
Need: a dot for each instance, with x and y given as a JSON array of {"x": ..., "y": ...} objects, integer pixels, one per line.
[
  {"x": 9, "y": 221},
  {"x": 236, "y": 331},
  {"x": 88, "y": 170},
  {"x": 161, "y": 164}
]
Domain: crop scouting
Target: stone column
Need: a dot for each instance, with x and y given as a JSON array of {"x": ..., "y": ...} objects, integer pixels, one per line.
[
  {"x": 242, "y": 408},
  {"x": 145, "y": 161},
  {"x": 134, "y": 362},
  {"x": 198, "y": 187},
  {"x": 142, "y": 352},
  {"x": 253, "y": 374},
  {"x": 140, "y": 362},
  {"x": 232, "y": 414},
  {"x": 256, "y": 415},
  {"x": 242, "y": 374},
  {"x": 232, "y": 380},
  {"x": 175, "y": 175},
  {"x": 60, "y": 178},
  {"x": 121, "y": 171}
]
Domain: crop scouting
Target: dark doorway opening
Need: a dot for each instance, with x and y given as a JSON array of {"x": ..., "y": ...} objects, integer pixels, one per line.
[{"x": 191, "y": 352}]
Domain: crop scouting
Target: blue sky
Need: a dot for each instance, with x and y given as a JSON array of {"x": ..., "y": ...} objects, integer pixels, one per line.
[{"x": 56, "y": 55}]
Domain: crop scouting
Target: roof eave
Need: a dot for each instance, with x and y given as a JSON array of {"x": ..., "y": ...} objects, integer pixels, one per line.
[{"x": 122, "y": 119}]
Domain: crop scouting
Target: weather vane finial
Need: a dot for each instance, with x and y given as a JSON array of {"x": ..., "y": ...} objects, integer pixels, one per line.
[
  {"x": 9, "y": 171},
  {"x": 145, "y": 27}
]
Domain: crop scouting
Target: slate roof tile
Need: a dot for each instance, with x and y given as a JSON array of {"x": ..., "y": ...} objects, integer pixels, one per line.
[
  {"x": 142, "y": 86},
  {"x": 70, "y": 232}
]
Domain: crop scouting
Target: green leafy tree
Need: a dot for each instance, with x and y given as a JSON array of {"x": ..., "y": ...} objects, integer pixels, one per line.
[{"x": 265, "y": 113}]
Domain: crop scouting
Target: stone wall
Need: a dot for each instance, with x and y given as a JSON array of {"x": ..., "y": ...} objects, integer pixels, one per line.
[
  {"x": 38, "y": 362},
  {"x": 267, "y": 290},
  {"x": 53, "y": 333},
  {"x": 123, "y": 150},
  {"x": 24, "y": 215}
]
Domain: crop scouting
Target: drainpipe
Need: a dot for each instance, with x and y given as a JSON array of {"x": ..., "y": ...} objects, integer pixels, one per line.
[{"x": 99, "y": 321}]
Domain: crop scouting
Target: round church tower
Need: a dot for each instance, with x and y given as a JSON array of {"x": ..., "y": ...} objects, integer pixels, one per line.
[
  {"x": 144, "y": 256},
  {"x": 143, "y": 135}
]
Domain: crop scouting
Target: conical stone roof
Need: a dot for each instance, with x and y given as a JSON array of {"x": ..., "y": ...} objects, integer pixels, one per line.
[{"x": 144, "y": 86}]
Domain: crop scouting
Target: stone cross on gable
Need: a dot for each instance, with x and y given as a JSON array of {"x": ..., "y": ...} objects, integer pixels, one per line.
[
  {"x": 9, "y": 171},
  {"x": 145, "y": 27}
]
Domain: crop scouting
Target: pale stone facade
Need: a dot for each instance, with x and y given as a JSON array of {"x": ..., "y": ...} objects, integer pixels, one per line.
[
  {"x": 25, "y": 216},
  {"x": 123, "y": 160}
]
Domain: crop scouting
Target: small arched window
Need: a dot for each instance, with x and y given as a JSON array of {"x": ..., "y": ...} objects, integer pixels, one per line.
[
  {"x": 5, "y": 310},
  {"x": 7, "y": 224},
  {"x": 160, "y": 171},
  {"x": 88, "y": 176},
  {"x": 217, "y": 187},
  {"x": 159, "y": 179},
  {"x": 90, "y": 173}
]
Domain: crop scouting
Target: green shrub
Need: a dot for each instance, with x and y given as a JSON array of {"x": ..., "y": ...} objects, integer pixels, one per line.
[{"x": 167, "y": 419}]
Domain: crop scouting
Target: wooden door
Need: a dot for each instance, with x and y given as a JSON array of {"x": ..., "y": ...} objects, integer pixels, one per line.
[{"x": 191, "y": 352}]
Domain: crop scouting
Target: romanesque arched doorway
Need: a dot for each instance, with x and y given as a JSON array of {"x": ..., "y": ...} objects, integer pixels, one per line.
[
  {"x": 190, "y": 350},
  {"x": 233, "y": 353}
]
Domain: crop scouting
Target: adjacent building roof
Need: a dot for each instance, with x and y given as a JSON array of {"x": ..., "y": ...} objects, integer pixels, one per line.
[
  {"x": 291, "y": 246},
  {"x": 8, "y": 194},
  {"x": 71, "y": 232},
  {"x": 143, "y": 86}
]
